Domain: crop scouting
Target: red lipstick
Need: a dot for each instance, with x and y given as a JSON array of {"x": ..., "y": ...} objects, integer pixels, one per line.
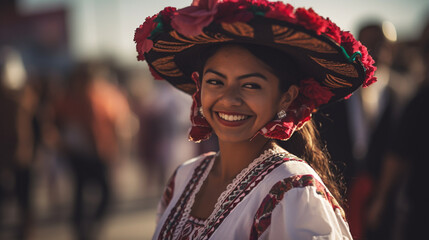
[{"x": 234, "y": 123}]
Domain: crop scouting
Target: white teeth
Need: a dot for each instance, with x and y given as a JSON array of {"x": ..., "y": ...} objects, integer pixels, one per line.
[{"x": 232, "y": 117}]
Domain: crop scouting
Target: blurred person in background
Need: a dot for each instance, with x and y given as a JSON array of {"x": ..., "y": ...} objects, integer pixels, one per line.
[
  {"x": 162, "y": 129},
  {"x": 357, "y": 131},
  {"x": 405, "y": 166},
  {"x": 375, "y": 109},
  {"x": 155, "y": 142},
  {"x": 18, "y": 101},
  {"x": 89, "y": 116}
]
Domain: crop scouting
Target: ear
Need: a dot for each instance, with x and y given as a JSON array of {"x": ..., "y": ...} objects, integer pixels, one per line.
[
  {"x": 288, "y": 97},
  {"x": 195, "y": 76}
]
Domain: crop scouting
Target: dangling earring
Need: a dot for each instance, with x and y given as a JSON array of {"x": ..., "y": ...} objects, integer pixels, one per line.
[
  {"x": 200, "y": 128},
  {"x": 201, "y": 111},
  {"x": 282, "y": 114}
]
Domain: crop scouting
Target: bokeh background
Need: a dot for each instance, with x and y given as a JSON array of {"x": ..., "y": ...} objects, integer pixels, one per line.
[{"x": 79, "y": 114}]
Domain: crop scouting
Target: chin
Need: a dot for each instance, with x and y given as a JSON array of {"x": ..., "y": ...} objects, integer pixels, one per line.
[{"x": 235, "y": 138}]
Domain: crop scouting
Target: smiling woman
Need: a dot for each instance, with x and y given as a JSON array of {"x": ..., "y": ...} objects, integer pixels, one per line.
[
  {"x": 239, "y": 94},
  {"x": 256, "y": 71}
]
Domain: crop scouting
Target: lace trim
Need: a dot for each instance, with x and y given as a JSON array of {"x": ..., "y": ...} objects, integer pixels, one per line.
[
  {"x": 266, "y": 154},
  {"x": 188, "y": 207},
  {"x": 242, "y": 174},
  {"x": 218, "y": 206},
  {"x": 198, "y": 221}
]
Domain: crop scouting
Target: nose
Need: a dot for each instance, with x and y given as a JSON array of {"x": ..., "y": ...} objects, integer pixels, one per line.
[{"x": 232, "y": 96}]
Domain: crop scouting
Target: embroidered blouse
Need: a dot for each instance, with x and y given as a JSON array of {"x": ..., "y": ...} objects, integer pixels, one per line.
[{"x": 278, "y": 196}]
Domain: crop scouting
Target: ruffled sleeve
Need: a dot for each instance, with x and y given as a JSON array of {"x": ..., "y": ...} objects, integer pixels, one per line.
[
  {"x": 299, "y": 207},
  {"x": 166, "y": 196}
]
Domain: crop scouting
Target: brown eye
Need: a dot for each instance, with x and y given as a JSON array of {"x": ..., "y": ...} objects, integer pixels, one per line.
[
  {"x": 252, "y": 86},
  {"x": 214, "y": 82}
]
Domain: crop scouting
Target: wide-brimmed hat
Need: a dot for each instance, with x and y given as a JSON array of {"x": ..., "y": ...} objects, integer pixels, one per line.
[{"x": 172, "y": 40}]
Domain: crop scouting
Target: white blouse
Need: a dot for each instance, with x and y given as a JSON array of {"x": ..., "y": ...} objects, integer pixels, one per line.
[{"x": 278, "y": 196}]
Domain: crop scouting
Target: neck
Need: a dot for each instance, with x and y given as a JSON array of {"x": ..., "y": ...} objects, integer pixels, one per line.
[{"x": 236, "y": 156}]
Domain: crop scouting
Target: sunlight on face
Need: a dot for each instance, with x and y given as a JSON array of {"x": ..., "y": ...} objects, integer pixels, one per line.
[{"x": 239, "y": 94}]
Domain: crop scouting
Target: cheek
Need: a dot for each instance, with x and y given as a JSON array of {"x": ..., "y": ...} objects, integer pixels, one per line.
[
  {"x": 268, "y": 104},
  {"x": 207, "y": 98}
]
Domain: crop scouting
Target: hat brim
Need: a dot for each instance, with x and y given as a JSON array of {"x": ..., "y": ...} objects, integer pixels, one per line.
[{"x": 174, "y": 56}]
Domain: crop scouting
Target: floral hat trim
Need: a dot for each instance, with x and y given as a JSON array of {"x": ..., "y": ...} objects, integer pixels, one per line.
[
  {"x": 162, "y": 38},
  {"x": 190, "y": 21},
  {"x": 311, "y": 95}
]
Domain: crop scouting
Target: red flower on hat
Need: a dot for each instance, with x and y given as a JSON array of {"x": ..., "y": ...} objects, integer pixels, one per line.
[
  {"x": 141, "y": 36},
  {"x": 310, "y": 20},
  {"x": 333, "y": 31},
  {"x": 370, "y": 79},
  {"x": 318, "y": 94},
  {"x": 349, "y": 43},
  {"x": 263, "y": 5},
  {"x": 155, "y": 75},
  {"x": 234, "y": 11},
  {"x": 281, "y": 11},
  {"x": 167, "y": 14},
  {"x": 368, "y": 63},
  {"x": 191, "y": 20}
]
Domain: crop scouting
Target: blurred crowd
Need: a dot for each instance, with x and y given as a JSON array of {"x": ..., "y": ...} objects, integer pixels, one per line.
[
  {"x": 65, "y": 119},
  {"x": 377, "y": 138},
  {"x": 83, "y": 118},
  {"x": 83, "y": 124}
]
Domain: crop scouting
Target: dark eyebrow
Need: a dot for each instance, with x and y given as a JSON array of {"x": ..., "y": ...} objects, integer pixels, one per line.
[
  {"x": 240, "y": 77},
  {"x": 215, "y": 72},
  {"x": 252, "y": 75}
]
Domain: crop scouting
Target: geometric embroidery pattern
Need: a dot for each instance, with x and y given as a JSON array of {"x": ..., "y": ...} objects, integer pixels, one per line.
[
  {"x": 262, "y": 219},
  {"x": 176, "y": 213},
  {"x": 252, "y": 179}
]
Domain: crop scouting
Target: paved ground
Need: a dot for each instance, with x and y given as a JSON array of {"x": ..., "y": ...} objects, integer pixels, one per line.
[
  {"x": 132, "y": 213},
  {"x": 125, "y": 225}
]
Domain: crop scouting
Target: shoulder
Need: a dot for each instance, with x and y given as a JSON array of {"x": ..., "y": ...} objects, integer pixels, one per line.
[
  {"x": 304, "y": 190},
  {"x": 180, "y": 178},
  {"x": 300, "y": 207},
  {"x": 292, "y": 174},
  {"x": 297, "y": 197},
  {"x": 296, "y": 175},
  {"x": 184, "y": 171},
  {"x": 291, "y": 166}
]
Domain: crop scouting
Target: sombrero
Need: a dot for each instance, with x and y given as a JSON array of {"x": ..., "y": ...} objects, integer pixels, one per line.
[{"x": 171, "y": 41}]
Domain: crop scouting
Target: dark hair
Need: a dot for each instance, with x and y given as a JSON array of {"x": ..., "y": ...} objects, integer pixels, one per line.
[{"x": 305, "y": 143}]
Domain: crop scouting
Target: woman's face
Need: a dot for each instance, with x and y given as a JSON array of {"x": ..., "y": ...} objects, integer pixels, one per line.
[{"x": 239, "y": 94}]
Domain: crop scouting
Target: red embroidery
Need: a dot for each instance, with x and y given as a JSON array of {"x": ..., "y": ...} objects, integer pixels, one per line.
[
  {"x": 247, "y": 184},
  {"x": 190, "y": 230},
  {"x": 175, "y": 214},
  {"x": 262, "y": 218},
  {"x": 168, "y": 192}
]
